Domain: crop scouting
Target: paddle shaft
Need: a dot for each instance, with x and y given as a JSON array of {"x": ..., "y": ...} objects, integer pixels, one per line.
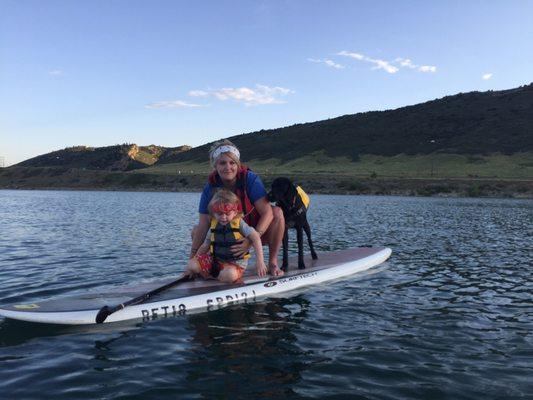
[{"x": 106, "y": 311}]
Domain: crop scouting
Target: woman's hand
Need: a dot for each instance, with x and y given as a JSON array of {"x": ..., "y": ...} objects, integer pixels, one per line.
[{"x": 240, "y": 249}]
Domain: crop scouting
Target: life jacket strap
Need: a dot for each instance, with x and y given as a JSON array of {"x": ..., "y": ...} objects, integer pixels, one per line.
[
  {"x": 224, "y": 230},
  {"x": 226, "y": 244}
]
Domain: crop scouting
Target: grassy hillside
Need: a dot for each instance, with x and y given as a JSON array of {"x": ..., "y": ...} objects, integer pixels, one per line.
[
  {"x": 73, "y": 178},
  {"x": 459, "y": 135},
  {"x": 493, "y": 166},
  {"x": 470, "y": 123},
  {"x": 473, "y": 144},
  {"x": 123, "y": 157}
]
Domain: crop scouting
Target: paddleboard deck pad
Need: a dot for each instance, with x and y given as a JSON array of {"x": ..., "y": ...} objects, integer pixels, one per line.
[{"x": 198, "y": 294}]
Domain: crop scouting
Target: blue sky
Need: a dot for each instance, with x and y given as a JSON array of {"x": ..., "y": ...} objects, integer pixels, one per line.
[{"x": 170, "y": 73}]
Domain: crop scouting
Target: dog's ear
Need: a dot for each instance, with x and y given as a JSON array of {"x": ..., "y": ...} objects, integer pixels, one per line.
[
  {"x": 276, "y": 190},
  {"x": 292, "y": 192}
]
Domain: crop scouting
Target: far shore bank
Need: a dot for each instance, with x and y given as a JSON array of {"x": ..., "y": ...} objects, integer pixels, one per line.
[{"x": 312, "y": 183}]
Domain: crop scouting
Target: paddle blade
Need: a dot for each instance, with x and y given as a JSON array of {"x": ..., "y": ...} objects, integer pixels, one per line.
[{"x": 104, "y": 312}]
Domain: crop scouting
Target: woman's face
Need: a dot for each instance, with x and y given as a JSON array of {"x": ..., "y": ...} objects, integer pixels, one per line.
[{"x": 226, "y": 168}]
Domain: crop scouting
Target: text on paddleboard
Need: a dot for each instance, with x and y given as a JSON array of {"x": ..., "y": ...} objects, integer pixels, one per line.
[{"x": 181, "y": 309}]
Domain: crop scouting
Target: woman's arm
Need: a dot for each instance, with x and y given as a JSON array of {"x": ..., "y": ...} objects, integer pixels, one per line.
[
  {"x": 259, "y": 258},
  {"x": 264, "y": 209},
  {"x": 199, "y": 233}
]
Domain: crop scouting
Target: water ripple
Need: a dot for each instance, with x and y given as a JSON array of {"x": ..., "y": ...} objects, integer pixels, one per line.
[{"x": 449, "y": 316}]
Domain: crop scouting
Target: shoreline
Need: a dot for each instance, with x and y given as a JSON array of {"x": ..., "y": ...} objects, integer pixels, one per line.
[{"x": 312, "y": 184}]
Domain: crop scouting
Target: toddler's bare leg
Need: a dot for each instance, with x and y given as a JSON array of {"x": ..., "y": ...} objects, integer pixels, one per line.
[{"x": 230, "y": 273}]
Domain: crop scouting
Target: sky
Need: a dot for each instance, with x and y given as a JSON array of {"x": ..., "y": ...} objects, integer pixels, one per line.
[{"x": 170, "y": 73}]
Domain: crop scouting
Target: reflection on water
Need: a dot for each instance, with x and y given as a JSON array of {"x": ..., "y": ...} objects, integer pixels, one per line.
[
  {"x": 449, "y": 316},
  {"x": 229, "y": 343}
]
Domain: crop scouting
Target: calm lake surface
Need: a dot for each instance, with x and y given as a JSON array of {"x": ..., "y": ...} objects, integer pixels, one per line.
[{"x": 449, "y": 316}]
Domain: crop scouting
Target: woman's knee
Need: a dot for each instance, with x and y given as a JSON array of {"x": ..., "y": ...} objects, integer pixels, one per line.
[
  {"x": 277, "y": 212},
  {"x": 274, "y": 233},
  {"x": 193, "y": 266}
]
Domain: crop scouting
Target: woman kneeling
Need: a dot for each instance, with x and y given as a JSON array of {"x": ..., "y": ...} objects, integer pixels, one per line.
[{"x": 227, "y": 228}]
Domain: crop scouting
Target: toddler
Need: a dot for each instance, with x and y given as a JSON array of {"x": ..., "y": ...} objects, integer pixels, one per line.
[{"x": 214, "y": 257}]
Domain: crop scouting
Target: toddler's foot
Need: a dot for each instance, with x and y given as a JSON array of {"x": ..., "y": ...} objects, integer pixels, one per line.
[{"x": 188, "y": 274}]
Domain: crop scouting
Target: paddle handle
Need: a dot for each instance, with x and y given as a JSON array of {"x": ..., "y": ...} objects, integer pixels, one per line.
[{"x": 106, "y": 311}]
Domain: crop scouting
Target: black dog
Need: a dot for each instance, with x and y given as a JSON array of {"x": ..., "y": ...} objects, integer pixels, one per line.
[{"x": 294, "y": 203}]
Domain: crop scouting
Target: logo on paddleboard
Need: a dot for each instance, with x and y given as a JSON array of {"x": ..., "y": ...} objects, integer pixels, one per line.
[
  {"x": 270, "y": 284},
  {"x": 26, "y": 306}
]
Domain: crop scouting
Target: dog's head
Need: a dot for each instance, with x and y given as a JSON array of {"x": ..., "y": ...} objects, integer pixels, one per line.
[{"x": 282, "y": 192}]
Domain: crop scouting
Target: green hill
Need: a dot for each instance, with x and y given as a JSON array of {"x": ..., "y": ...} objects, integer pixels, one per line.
[
  {"x": 467, "y": 123},
  {"x": 123, "y": 157},
  {"x": 469, "y": 144},
  {"x": 476, "y": 124}
]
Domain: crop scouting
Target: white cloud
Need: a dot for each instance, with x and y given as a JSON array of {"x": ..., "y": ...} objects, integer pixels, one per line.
[
  {"x": 198, "y": 93},
  {"x": 487, "y": 76},
  {"x": 427, "y": 68},
  {"x": 387, "y": 66},
  {"x": 357, "y": 56},
  {"x": 378, "y": 64},
  {"x": 260, "y": 95},
  {"x": 173, "y": 104},
  {"x": 333, "y": 64},
  {"x": 276, "y": 89},
  {"x": 55, "y": 72},
  {"x": 407, "y": 63},
  {"x": 329, "y": 63}
]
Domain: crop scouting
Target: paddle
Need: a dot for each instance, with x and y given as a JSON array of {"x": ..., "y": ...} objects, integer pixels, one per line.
[{"x": 106, "y": 311}]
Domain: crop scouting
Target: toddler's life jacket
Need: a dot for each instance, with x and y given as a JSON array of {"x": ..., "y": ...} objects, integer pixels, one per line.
[{"x": 223, "y": 237}]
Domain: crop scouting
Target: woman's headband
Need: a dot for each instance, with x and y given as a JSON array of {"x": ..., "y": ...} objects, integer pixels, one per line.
[{"x": 225, "y": 149}]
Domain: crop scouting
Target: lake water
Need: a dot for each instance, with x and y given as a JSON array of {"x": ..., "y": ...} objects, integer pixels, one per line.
[{"x": 449, "y": 316}]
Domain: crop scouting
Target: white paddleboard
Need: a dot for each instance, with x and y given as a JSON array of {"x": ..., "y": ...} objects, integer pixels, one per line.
[{"x": 198, "y": 294}]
